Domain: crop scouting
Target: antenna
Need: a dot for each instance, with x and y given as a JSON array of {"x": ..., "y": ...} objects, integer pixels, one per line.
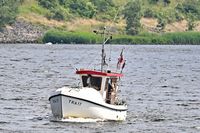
[{"x": 106, "y": 36}]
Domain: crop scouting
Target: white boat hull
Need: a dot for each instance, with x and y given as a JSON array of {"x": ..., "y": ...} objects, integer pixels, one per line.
[{"x": 65, "y": 106}]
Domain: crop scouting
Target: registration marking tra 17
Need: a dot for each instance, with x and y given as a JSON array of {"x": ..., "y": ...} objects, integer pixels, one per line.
[{"x": 75, "y": 102}]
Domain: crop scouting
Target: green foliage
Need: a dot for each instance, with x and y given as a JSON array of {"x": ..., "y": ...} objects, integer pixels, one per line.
[
  {"x": 191, "y": 11},
  {"x": 149, "y": 13},
  {"x": 49, "y": 4},
  {"x": 166, "y": 11},
  {"x": 169, "y": 11},
  {"x": 60, "y": 13},
  {"x": 153, "y": 1},
  {"x": 8, "y": 11},
  {"x": 32, "y": 8},
  {"x": 183, "y": 37},
  {"x": 132, "y": 14},
  {"x": 140, "y": 39},
  {"x": 167, "y": 38},
  {"x": 58, "y": 36},
  {"x": 178, "y": 16},
  {"x": 103, "y": 5},
  {"x": 190, "y": 7},
  {"x": 166, "y": 2},
  {"x": 63, "y": 37},
  {"x": 83, "y": 8},
  {"x": 161, "y": 23},
  {"x": 79, "y": 8},
  {"x": 105, "y": 9},
  {"x": 57, "y": 12}
]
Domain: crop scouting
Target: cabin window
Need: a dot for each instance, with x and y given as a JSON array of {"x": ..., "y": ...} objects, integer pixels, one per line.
[
  {"x": 111, "y": 82},
  {"x": 91, "y": 81}
]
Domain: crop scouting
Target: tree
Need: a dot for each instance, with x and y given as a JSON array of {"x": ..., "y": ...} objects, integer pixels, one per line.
[
  {"x": 166, "y": 2},
  {"x": 62, "y": 9},
  {"x": 153, "y": 1},
  {"x": 191, "y": 22},
  {"x": 191, "y": 10},
  {"x": 105, "y": 9},
  {"x": 82, "y": 8},
  {"x": 49, "y": 4},
  {"x": 132, "y": 14},
  {"x": 103, "y": 5},
  {"x": 8, "y": 11}
]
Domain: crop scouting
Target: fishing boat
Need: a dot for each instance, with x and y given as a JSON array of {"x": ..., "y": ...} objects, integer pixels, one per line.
[{"x": 95, "y": 98}]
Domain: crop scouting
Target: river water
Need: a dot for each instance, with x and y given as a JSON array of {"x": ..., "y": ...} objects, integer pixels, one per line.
[{"x": 161, "y": 87}]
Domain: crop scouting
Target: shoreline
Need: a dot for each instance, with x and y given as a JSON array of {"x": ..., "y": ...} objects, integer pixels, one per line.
[
  {"x": 177, "y": 38},
  {"x": 22, "y": 32},
  {"x": 98, "y": 44}
]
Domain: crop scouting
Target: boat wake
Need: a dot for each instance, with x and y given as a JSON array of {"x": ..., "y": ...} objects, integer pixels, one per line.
[{"x": 77, "y": 120}]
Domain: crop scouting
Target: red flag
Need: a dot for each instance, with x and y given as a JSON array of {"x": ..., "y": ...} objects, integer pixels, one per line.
[
  {"x": 123, "y": 65},
  {"x": 120, "y": 60}
]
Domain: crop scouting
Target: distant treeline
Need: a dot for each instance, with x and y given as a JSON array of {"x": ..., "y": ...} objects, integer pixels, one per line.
[
  {"x": 63, "y": 37},
  {"x": 68, "y": 9},
  {"x": 128, "y": 11},
  {"x": 165, "y": 11}
]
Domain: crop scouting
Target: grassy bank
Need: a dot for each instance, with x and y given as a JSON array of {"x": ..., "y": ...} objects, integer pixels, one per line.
[
  {"x": 166, "y": 38},
  {"x": 63, "y": 37}
]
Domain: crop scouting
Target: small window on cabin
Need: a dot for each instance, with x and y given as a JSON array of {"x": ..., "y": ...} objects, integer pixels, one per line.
[
  {"x": 111, "y": 82},
  {"x": 90, "y": 81}
]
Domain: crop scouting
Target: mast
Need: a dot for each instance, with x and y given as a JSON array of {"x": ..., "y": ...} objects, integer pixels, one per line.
[
  {"x": 103, "y": 56},
  {"x": 106, "y": 37}
]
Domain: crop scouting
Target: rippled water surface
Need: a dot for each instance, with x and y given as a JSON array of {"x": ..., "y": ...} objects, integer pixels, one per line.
[{"x": 161, "y": 86}]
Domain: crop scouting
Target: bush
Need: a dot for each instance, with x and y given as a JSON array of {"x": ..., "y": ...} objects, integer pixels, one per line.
[
  {"x": 168, "y": 38},
  {"x": 58, "y": 36},
  {"x": 8, "y": 12},
  {"x": 122, "y": 40},
  {"x": 153, "y": 1},
  {"x": 191, "y": 7},
  {"x": 79, "y": 8},
  {"x": 132, "y": 14},
  {"x": 149, "y": 13},
  {"x": 145, "y": 38},
  {"x": 183, "y": 37},
  {"x": 58, "y": 14},
  {"x": 49, "y": 4}
]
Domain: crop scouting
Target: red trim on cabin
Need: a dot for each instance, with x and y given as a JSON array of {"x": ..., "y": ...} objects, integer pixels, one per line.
[{"x": 93, "y": 72}]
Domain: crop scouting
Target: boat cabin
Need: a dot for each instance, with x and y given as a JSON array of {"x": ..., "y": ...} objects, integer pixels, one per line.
[{"x": 104, "y": 82}]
